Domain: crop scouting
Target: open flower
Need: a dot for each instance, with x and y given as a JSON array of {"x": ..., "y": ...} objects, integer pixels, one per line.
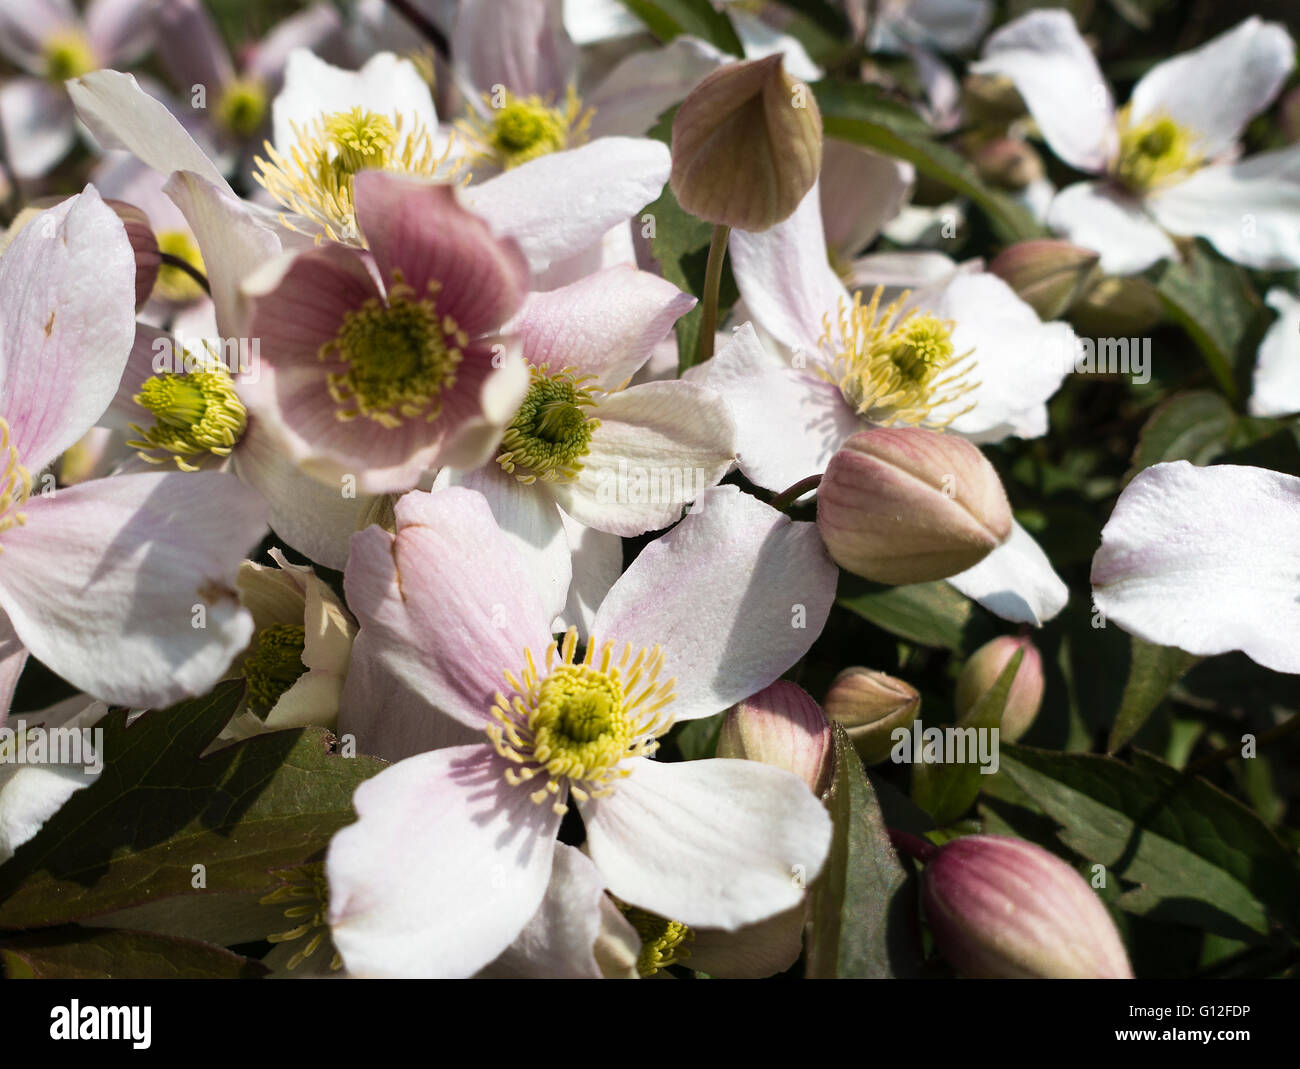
[
  {"x": 153, "y": 556},
  {"x": 454, "y": 847},
  {"x": 1168, "y": 159}
]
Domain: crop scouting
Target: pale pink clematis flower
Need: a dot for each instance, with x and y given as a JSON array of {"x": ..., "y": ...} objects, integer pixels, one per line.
[
  {"x": 1168, "y": 160},
  {"x": 453, "y": 850},
  {"x": 123, "y": 586}
]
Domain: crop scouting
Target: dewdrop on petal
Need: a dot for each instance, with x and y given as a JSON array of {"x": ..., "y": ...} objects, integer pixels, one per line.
[
  {"x": 747, "y": 145},
  {"x": 781, "y": 725},
  {"x": 870, "y": 706},
  {"x": 982, "y": 670},
  {"x": 908, "y": 505},
  {"x": 1048, "y": 275},
  {"x": 1002, "y": 908}
]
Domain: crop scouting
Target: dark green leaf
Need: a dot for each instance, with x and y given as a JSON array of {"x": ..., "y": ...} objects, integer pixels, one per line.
[
  {"x": 667, "y": 19},
  {"x": 1192, "y": 426},
  {"x": 1152, "y": 671},
  {"x": 72, "y": 953},
  {"x": 932, "y": 614}
]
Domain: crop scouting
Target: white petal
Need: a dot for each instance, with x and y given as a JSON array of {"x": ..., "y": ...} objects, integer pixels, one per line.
[
  {"x": 759, "y": 39},
  {"x": 1016, "y": 581},
  {"x": 37, "y": 122},
  {"x": 443, "y": 869},
  {"x": 1205, "y": 559},
  {"x": 734, "y": 594},
  {"x": 592, "y": 21},
  {"x": 1093, "y": 216},
  {"x": 597, "y": 563},
  {"x": 1062, "y": 86},
  {"x": 29, "y": 796},
  {"x": 1276, "y": 390},
  {"x": 714, "y": 843},
  {"x": 520, "y": 44},
  {"x": 646, "y": 84},
  {"x": 1215, "y": 90},
  {"x": 860, "y": 193}
]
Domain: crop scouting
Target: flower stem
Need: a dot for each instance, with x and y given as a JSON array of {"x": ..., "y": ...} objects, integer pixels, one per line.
[
  {"x": 789, "y": 496},
  {"x": 712, "y": 283},
  {"x": 183, "y": 265},
  {"x": 911, "y": 845}
]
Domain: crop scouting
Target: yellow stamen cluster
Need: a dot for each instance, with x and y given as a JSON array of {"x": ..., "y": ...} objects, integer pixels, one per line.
[
  {"x": 398, "y": 356},
  {"x": 195, "y": 414},
  {"x": 68, "y": 54},
  {"x": 895, "y": 367},
  {"x": 273, "y": 665},
  {"x": 663, "y": 942},
  {"x": 315, "y": 179},
  {"x": 303, "y": 882},
  {"x": 550, "y": 433},
  {"x": 1154, "y": 152},
  {"x": 242, "y": 106},
  {"x": 516, "y": 129},
  {"x": 15, "y": 482},
  {"x": 174, "y": 284},
  {"x": 577, "y": 724}
]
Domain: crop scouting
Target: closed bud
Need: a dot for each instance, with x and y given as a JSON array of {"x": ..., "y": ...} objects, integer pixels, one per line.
[
  {"x": 1008, "y": 162},
  {"x": 991, "y": 100},
  {"x": 909, "y": 505},
  {"x": 1003, "y": 908},
  {"x": 1049, "y": 276},
  {"x": 145, "y": 246},
  {"x": 870, "y": 705},
  {"x": 982, "y": 670},
  {"x": 781, "y": 725},
  {"x": 747, "y": 145}
]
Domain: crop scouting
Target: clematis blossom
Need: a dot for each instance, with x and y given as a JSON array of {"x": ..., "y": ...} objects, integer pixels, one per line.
[
  {"x": 454, "y": 848},
  {"x": 1168, "y": 161}
]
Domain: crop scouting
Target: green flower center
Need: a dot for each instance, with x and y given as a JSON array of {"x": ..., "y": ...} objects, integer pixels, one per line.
[
  {"x": 242, "y": 106},
  {"x": 663, "y": 942},
  {"x": 1154, "y": 152},
  {"x": 68, "y": 54},
  {"x": 922, "y": 348},
  {"x": 306, "y": 890},
  {"x": 173, "y": 284},
  {"x": 551, "y": 432},
  {"x": 273, "y": 665},
  {"x": 519, "y": 129},
  {"x": 195, "y": 414},
  {"x": 398, "y": 357},
  {"x": 361, "y": 139}
]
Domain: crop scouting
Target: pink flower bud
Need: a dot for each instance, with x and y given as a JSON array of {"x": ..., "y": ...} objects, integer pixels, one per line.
[
  {"x": 869, "y": 705},
  {"x": 1049, "y": 276},
  {"x": 1004, "y": 908},
  {"x": 982, "y": 670},
  {"x": 145, "y": 246},
  {"x": 781, "y": 725},
  {"x": 909, "y": 505}
]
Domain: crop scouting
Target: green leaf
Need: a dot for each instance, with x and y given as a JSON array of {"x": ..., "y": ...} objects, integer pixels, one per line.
[
  {"x": 157, "y": 810},
  {"x": 863, "y": 908},
  {"x": 946, "y": 791},
  {"x": 931, "y": 614},
  {"x": 1200, "y": 857},
  {"x": 698, "y": 739},
  {"x": 1152, "y": 671},
  {"x": 864, "y": 115},
  {"x": 1213, "y": 300},
  {"x": 1191, "y": 426},
  {"x": 72, "y": 953},
  {"x": 667, "y": 19}
]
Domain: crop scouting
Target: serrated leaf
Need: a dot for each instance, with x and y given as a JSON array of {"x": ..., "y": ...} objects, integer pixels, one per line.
[
  {"x": 667, "y": 19},
  {"x": 946, "y": 791},
  {"x": 931, "y": 614},
  {"x": 863, "y": 910},
  {"x": 864, "y": 115},
  {"x": 1152, "y": 671},
  {"x": 1191, "y": 426},
  {"x": 1200, "y": 857},
  {"x": 157, "y": 810},
  {"x": 72, "y": 953}
]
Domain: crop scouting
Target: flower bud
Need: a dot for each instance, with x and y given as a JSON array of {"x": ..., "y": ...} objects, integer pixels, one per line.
[
  {"x": 1008, "y": 162},
  {"x": 1003, "y": 908},
  {"x": 1117, "y": 307},
  {"x": 145, "y": 246},
  {"x": 1049, "y": 276},
  {"x": 869, "y": 705},
  {"x": 747, "y": 145},
  {"x": 781, "y": 725},
  {"x": 982, "y": 670},
  {"x": 991, "y": 100},
  {"x": 909, "y": 505}
]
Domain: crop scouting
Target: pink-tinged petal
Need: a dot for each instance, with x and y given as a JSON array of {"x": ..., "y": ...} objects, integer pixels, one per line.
[
  {"x": 1016, "y": 581},
  {"x": 860, "y": 193},
  {"x": 788, "y": 422},
  {"x": 597, "y": 562},
  {"x": 67, "y": 322},
  {"x": 785, "y": 278},
  {"x": 1205, "y": 559},
  {"x": 734, "y": 594},
  {"x": 1062, "y": 86},
  {"x": 195, "y": 53},
  {"x": 25, "y": 25},
  {"x": 630, "y": 99},
  {"x": 122, "y": 30},
  {"x": 483, "y": 403},
  {"x": 605, "y": 325},
  {"x": 36, "y": 119},
  {"x": 560, "y": 204},
  {"x": 444, "y": 867},
  {"x": 13, "y": 658},
  {"x": 316, "y": 29},
  {"x": 559, "y": 943},
  {"x": 1094, "y": 216},
  {"x": 122, "y": 115},
  {"x": 528, "y": 516},
  {"x": 898, "y": 271},
  {"x": 716, "y": 843},
  {"x": 658, "y": 447},
  {"x": 126, "y": 586},
  {"x": 315, "y": 518},
  {"x": 1215, "y": 90},
  {"x": 234, "y": 244},
  {"x": 520, "y": 44},
  {"x": 422, "y": 230},
  {"x": 450, "y": 598},
  {"x": 1276, "y": 389},
  {"x": 1248, "y": 210},
  {"x": 616, "y": 247}
]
